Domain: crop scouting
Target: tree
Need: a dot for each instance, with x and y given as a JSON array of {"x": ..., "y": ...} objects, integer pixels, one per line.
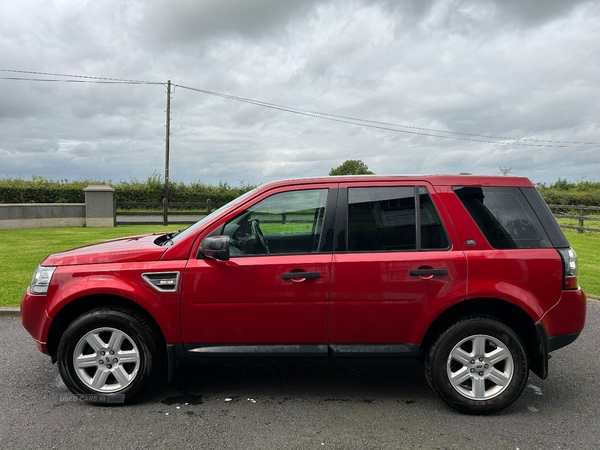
[{"x": 351, "y": 167}]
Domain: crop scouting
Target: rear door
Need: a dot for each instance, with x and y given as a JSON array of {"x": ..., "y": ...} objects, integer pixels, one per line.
[{"x": 395, "y": 268}]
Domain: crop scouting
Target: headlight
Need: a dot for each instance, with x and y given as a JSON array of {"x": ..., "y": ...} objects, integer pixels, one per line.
[{"x": 41, "y": 279}]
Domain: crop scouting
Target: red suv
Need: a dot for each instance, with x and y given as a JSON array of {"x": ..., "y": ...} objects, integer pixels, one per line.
[{"x": 470, "y": 274}]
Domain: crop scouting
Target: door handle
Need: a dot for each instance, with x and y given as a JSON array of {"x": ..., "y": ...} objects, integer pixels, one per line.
[
  {"x": 293, "y": 275},
  {"x": 427, "y": 272}
]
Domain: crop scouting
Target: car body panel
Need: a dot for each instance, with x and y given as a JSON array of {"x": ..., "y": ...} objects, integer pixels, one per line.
[
  {"x": 246, "y": 300},
  {"x": 530, "y": 279},
  {"x": 567, "y": 316},
  {"x": 117, "y": 280},
  {"x": 374, "y": 299},
  {"x": 128, "y": 249}
]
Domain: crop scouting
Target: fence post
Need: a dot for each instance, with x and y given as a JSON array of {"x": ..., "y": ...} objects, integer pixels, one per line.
[
  {"x": 580, "y": 230},
  {"x": 208, "y": 206},
  {"x": 165, "y": 212}
]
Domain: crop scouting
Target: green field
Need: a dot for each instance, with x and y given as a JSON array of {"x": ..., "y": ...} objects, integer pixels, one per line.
[
  {"x": 587, "y": 246},
  {"x": 22, "y": 250}
]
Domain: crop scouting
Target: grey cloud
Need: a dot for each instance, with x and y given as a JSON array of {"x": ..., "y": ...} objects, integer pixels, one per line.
[
  {"x": 535, "y": 12},
  {"x": 183, "y": 20}
]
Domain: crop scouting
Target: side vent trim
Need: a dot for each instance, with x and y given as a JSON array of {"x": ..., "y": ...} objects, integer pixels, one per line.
[{"x": 162, "y": 281}]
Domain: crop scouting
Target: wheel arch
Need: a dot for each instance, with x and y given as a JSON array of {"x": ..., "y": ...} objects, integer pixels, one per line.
[
  {"x": 507, "y": 313},
  {"x": 76, "y": 308}
]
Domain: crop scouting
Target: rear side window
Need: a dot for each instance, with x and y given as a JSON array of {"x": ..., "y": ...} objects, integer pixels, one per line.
[
  {"x": 393, "y": 218},
  {"x": 505, "y": 217}
]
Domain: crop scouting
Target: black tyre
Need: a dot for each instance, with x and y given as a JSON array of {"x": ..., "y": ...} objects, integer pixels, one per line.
[
  {"x": 110, "y": 351},
  {"x": 477, "y": 365}
]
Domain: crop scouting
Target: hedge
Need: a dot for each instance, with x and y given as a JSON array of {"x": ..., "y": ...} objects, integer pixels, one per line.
[
  {"x": 563, "y": 192},
  {"x": 42, "y": 190}
]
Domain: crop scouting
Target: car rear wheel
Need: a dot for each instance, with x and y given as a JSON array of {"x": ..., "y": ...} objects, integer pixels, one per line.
[
  {"x": 110, "y": 351},
  {"x": 477, "y": 365}
]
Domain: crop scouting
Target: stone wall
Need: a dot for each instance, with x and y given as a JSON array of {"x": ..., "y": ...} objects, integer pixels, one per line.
[{"x": 97, "y": 211}]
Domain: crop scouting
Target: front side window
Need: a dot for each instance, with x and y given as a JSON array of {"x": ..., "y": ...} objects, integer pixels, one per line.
[
  {"x": 393, "y": 218},
  {"x": 284, "y": 223},
  {"x": 504, "y": 216}
]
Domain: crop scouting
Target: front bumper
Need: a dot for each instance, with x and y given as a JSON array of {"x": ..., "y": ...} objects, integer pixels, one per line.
[{"x": 35, "y": 319}]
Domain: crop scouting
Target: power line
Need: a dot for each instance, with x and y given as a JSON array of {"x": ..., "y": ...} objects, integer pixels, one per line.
[
  {"x": 382, "y": 125},
  {"x": 354, "y": 119},
  {"x": 77, "y": 81},
  {"x": 386, "y": 126},
  {"x": 86, "y": 77}
]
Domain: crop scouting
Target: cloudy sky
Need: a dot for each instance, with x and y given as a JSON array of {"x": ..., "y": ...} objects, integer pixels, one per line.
[{"x": 411, "y": 86}]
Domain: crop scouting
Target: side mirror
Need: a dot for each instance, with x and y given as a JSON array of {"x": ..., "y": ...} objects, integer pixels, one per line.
[{"x": 215, "y": 247}]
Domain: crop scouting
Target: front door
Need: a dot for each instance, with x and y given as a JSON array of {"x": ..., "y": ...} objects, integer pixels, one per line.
[{"x": 272, "y": 295}]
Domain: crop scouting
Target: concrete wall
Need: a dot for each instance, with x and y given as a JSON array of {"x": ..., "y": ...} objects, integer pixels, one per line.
[
  {"x": 42, "y": 215},
  {"x": 97, "y": 211}
]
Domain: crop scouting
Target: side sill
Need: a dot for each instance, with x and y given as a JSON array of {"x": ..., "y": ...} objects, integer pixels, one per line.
[
  {"x": 313, "y": 354},
  {"x": 256, "y": 354},
  {"x": 373, "y": 354}
]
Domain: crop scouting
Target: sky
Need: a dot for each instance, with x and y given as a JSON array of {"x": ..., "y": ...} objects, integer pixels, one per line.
[{"x": 268, "y": 89}]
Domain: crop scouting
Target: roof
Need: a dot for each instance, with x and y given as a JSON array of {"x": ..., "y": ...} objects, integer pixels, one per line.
[{"x": 436, "y": 180}]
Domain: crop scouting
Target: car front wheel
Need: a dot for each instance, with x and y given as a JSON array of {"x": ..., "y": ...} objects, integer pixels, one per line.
[
  {"x": 110, "y": 351},
  {"x": 477, "y": 365}
]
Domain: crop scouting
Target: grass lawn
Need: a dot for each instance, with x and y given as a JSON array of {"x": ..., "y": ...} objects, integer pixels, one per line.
[
  {"x": 22, "y": 250},
  {"x": 587, "y": 246}
]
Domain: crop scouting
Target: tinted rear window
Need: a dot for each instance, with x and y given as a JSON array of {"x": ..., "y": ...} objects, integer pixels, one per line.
[
  {"x": 393, "y": 219},
  {"x": 504, "y": 216}
]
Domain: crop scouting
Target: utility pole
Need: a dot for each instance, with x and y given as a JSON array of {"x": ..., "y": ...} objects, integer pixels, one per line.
[
  {"x": 505, "y": 170},
  {"x": 167, "y": 134}
]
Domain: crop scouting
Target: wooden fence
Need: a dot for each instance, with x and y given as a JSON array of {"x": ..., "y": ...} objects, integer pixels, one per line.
[
  {"x": 162, "y": 213},
  {"x": 581, "y": 214}
]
